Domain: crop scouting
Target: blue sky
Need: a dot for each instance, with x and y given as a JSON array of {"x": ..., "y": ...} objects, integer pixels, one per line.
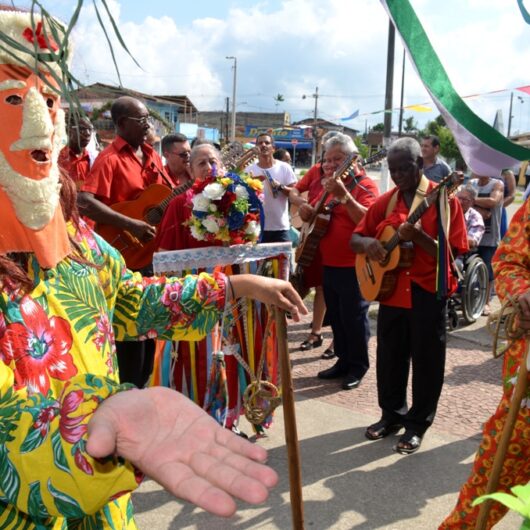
[{"x": 289, "y": 47}]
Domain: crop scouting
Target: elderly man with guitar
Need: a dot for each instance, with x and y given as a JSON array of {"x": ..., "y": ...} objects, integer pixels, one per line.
[
  {"x": 112, "y": 197},
  {"x": 346, "y": 195},
  {"x": 411, "y": 320}
]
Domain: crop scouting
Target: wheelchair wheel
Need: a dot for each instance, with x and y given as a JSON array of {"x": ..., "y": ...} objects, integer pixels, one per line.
[{"x": 474, "y": 289}]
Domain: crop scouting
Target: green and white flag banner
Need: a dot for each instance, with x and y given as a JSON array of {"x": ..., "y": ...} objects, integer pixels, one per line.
[{"x": 484, "y": 149}]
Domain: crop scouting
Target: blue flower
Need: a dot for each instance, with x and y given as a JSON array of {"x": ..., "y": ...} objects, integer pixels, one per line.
[{"x": 235, "y": 220}]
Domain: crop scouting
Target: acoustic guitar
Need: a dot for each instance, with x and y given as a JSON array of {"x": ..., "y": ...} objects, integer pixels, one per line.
[
  {"x": 314, "y": 230},
  {"x": 151, "y": 205},
  {"x": 377, "y": 280}
]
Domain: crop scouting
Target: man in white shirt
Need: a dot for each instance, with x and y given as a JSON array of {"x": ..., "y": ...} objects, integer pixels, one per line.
[
  {"x": 434, "y": 168},
  {"x": 279, "y": 179}
]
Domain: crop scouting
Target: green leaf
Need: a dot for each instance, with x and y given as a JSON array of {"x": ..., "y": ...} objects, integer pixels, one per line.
[
  {"x": 504, "y": 498},
  {"x": 9, "y": 478},
  {"x": 66, "y": 505},
  {"x": 36, "y": 507},
  {"x": 59, "y": 456},
  {"x": 33, "y": 440}
]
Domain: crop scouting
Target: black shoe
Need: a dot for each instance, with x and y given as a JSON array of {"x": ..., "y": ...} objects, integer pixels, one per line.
[
  {"x": 334, "y": 372},
  {"x": 314, "y": 340},
  {"x": 328, "y": 353},
  {"x": 382, "y": 429},
  {"x": 350, "y": 382}
]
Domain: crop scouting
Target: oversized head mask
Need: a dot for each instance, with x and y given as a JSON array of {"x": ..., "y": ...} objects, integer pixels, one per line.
[{"x": 31, "y": 135}]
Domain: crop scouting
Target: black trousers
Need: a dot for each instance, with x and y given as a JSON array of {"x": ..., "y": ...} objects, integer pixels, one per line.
[
  {"x": 136, "y": 358},
  {"x": 416, "y": 335},
  {"x": 347, "y": 312},
  {"x": 135, "y": 361}
]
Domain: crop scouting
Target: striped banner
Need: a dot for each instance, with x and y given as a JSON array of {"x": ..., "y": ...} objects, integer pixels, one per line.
[{"x": 485, "y": 150}]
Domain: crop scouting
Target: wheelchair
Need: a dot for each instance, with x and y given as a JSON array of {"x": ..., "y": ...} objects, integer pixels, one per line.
[{"x": 470, "y": 297}]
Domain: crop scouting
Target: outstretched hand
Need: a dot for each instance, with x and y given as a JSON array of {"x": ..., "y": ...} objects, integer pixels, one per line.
[
  {"x": 178, "y": 445},
  {"x": 269, "y": 291}
]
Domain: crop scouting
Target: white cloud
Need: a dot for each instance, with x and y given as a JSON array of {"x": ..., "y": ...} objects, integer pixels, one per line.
[{"x": 339, "y": 46}]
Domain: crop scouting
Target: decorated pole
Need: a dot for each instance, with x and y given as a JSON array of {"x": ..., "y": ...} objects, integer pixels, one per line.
[
  {"x": 519, "y": 392},
  {"x": 289, "y": 419}
]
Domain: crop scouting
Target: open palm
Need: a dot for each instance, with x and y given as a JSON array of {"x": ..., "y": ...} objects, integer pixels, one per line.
[{"x": 178, "y": 445}]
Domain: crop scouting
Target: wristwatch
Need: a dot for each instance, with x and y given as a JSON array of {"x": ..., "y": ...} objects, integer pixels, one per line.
[{"x": 345, "y": 198}]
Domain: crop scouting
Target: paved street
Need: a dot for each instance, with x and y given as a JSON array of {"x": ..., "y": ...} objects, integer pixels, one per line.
[{"x": 349, "y": 482}]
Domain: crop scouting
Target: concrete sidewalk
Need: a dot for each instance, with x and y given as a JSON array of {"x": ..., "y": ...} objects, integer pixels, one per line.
[{"x": 348, "y": 481}]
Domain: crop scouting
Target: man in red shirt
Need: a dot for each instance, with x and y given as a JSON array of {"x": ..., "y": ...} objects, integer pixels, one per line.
[
  {"x": 348, "y": 199},
  {"x": 74, "y": 159},
  {"x": 123, "y": 170},
  {"x": 120, "y": 173},
  {"x": 176, "y": 150},
  {"x": 411, "y": 321}
]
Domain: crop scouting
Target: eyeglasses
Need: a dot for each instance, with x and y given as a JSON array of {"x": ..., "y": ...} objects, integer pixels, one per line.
[
  {"x": 184, "y": 155},
  {"x": 144, "y": 120}
]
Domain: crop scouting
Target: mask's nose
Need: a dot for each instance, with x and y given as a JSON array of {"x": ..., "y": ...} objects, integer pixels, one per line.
[{"x": 37, "y": 127}]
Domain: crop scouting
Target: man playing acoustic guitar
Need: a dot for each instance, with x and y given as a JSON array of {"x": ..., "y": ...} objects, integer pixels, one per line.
[
  {"x": 120, "y": 173},
  {"x": 347, "y": 192},
  {"x": 411, "y": 321}
]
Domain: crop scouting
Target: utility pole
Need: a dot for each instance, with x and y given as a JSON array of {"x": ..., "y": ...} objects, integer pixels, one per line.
[
  {"x": 388, "y": 102},
  {"x": 510, "y": 116},
  {"x": 234, "y": 83},
  {"x": 315, "y": 120},
  {"x": 402, "y": 95},
  {"x": 227, "y": 139}
]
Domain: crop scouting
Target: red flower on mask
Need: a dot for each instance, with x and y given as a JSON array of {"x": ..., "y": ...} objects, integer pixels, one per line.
[
  {"x": 44, "y": 42},
  {"x": 39, "y": 347}
]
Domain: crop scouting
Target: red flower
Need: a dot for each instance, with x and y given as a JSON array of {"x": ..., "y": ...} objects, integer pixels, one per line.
[
  {"x": 45, "y": 417},
  {"x": 73, "y": 429},
  {"x": 199, "y": 185},
  {"x": 44, "y": 42},
  {"x": 226, "y": 201},
  {"x": 39, "y": 348}
]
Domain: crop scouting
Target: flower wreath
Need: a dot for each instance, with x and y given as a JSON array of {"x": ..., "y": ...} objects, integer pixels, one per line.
[{"x": 227, "y": 208}]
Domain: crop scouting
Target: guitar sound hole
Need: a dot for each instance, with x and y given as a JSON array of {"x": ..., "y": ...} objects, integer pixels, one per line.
[{"x": 154, "y": 215}]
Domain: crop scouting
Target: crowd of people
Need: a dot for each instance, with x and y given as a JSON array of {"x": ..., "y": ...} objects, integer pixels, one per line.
[{"x": 78, "y": 319}]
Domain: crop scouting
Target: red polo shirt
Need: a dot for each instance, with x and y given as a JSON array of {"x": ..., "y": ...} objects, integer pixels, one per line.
[
  {"x": 76, "y": 166},
  {"x": 172, "y": 233},
  {"x": 118, "y": 175},
  {"x": 423, "y": 268},
  {"x": 312, "y": 183},
  {"x": 334, "y": 246}
]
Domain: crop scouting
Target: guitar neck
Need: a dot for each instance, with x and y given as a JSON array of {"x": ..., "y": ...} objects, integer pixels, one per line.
[
  {"x": 413, "y": 218},
  {"x": 174, "y": 192}
]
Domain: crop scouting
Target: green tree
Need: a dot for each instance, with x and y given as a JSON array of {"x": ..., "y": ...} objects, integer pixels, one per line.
[
  {"x": 378, "y": 127},
  {"x": 278, "y": 98},
  {"x": 410, "y": 125}
]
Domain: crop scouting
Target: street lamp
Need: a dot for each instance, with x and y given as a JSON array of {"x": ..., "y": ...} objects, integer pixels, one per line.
[{"x": 234, "y": 82}]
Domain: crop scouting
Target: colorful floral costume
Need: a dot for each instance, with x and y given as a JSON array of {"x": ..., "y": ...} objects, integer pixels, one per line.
[
  {"x": 58, "y": 363},
  {"x": 512, "y": 277}
]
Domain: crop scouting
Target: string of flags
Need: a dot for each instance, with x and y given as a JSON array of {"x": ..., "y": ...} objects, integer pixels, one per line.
[{"x": 422, "y": 107}]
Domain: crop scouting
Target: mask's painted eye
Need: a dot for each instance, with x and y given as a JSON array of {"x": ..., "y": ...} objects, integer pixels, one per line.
[
  {"x": 50, "y": 102},
  {"x": 14, "y": 100}
]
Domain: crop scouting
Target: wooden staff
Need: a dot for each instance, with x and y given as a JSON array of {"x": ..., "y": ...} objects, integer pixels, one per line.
[
  {"x": 289, "y": 420},
  {"x": 520, "y": 390}
]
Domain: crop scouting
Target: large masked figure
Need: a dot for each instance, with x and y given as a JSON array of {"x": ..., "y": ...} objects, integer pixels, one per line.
[
  {"x": 30, "y": 138},
  {"x": 65, "y": 297}
]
